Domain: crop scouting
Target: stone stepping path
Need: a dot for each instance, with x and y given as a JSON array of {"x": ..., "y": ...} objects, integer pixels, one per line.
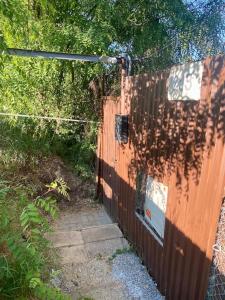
[{"x": 85, "y": 241}]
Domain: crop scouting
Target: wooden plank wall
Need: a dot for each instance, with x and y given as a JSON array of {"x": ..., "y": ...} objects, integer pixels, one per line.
[{"x": 181, "y": 144}]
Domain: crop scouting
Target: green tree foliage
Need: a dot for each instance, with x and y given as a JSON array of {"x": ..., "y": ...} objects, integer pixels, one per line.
[
  {"x": 94, "y": 27},
  {"x": 166, "y": 31},
  {"x": 25, "y": 255}
]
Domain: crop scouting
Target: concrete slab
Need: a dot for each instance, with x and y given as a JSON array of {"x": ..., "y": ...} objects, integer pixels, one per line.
[
  {"x": 74, "y": 254},
  {"x": 95, "y": 272},
  {"x": 105, "y": 247},
  {"x": 99, "y": 233},
  {"x": 80, "y": 220},
  {"x": 66, "y": 238},
  {"x": 85, "y": 240},
  {"x": 104, "y": 292}
]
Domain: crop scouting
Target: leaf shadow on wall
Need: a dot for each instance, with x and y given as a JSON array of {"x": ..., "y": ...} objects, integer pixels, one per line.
[{"x": 173, "y": 136}]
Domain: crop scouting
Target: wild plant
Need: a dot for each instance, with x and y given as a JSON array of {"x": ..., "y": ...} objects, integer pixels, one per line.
[{"x": 25, "y": 254}]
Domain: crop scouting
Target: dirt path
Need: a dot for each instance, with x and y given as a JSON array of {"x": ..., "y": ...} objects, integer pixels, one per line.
[{"x": 86, "y": 239}]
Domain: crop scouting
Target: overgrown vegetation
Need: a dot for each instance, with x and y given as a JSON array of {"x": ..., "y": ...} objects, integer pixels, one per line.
[
  {"x": 24, "y": 141},
  {"x": 26, "y": 255},
  {"x": 166, "y": 31}
]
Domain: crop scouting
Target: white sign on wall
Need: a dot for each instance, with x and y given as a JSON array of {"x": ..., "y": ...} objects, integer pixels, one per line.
[
  {"x": 155, "y": 205},
  {"x": 184, "y": 82}
]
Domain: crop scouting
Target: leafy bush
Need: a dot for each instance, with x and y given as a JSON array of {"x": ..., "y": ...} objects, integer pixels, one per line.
[
  {"x": 23, "y": 141},
  {"x": 25, "y": 255}
]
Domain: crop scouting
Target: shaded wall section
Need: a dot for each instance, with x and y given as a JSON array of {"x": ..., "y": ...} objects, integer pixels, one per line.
[
  {"x": 180, "y": 144},
  {"x": 216, "y": 287}
]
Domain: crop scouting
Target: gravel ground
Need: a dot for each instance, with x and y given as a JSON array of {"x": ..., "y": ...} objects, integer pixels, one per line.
[{"x": 128, "y": 269}]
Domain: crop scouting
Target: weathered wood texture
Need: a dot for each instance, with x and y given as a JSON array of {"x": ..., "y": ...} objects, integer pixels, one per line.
[{"x": 181, "y": 144}]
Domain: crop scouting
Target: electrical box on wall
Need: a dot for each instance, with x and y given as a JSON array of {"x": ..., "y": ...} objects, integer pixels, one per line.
[
  {"x": 121, "y": 128},
  {"x": 155, "y": 205}
]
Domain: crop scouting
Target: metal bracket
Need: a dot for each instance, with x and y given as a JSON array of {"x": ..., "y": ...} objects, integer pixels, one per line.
[{"x": 126, "y": 63}]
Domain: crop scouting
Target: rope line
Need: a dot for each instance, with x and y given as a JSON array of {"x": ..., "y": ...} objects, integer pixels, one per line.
[{"x": 46, "y": 118}]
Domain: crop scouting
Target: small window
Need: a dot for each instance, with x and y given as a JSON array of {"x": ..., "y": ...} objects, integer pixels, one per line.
[
  {"x": 121, "y": 128},
  {"x": 151, "y": 201}
]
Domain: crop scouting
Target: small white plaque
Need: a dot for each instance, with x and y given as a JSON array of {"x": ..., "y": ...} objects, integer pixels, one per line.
[
  {"x": 184, "y": 82},
  {"x": 155, "y": 205}
]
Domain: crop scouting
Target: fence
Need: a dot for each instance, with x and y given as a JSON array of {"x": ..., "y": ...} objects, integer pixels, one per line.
[{"x": 176, "y": 155}]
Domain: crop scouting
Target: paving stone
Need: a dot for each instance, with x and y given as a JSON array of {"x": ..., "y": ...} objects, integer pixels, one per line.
[
  {"x": 73, "y": 254},
  {"x": 66, "y": 238},
  {"x": 85, "y": 240},
  {"x": 99, "y": 233},
  {"x": 95, "y": 272},
  {"x": 105, "y": 247},
  {"x": 68, "y": 227},
  {"x": 78, "y": 221},
  {"x": 75, "y": 218},
  {"x": 104, "y": 219}
]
